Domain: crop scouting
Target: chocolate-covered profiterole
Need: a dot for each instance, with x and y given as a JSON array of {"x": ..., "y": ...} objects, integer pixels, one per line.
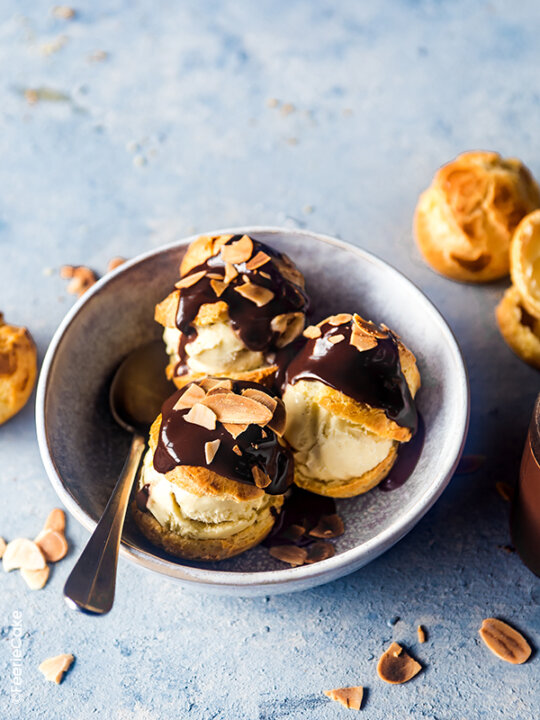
[{"x": 361, "y": 360}]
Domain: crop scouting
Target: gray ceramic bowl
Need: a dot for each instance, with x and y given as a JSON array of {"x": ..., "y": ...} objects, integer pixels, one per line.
[{"x": 83, "y": 449}]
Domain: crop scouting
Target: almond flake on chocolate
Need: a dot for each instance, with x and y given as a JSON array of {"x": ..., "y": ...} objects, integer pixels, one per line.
[
  {"x": 265, "y": 275},
  {"x": 239, "y": 251},
  {"x": 369, "y": 328},
  {"x": 505, "y": 490},
  {"x": 255, "y": 293},
  {"x": 505, "y": 642},
  {"x": 312, "y": 332},
  {"x": 340, "y": 319},
  {"x": 396, "y": 666},
  {"x": 54, "y": 667},
  {"x": 192, "y": 395},
  {"x": 277, "y": 423},
  {"x": 361, "y": 341},
  {"x": 291, "y": 554},
  {"x": 210, "y": 450},
  {"x": 235, "y": 429},
  {"x": 201, "y": 415},
  {"x": 335, "y": 339},
  {"x": 220, "y": 389},
  {"x": 230, "y": 273},
  {"x": 264, "y": 434},
  {"x": 208, "y": 383},
  {"x": 236, "y": 450},
  {"x": 267, "y": 400},
  {"x": 190, "y": 280},
  {"x": 329, "y": 526},
  {"x": 320, "y": 551},
  {"x": 350, "y": 697},
  {"x": 219, "y": 287},
  {"x": 260, "y": 259},
  {"x": 421, "y": 634},
  {"x": 237, "y": 409},
  {"x": 260, "y": 478},
  {"x": 289, "y": 326}
]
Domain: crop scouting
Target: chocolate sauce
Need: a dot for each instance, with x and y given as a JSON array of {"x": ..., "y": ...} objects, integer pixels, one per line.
[
  {"x": 408, "y": 456},
  {"x": 182, "y": 443},
  {"x": 301, "y": 509},
  {"x": 250, "y": 322},
  {"x": 141, "y": 498},
  {"x": 373, "y": 376}
]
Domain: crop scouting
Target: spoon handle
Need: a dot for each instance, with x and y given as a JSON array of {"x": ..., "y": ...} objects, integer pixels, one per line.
[{"x": 91, "y": 584}]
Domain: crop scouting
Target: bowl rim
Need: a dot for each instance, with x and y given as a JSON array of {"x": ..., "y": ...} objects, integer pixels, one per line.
[{"x": 297, "y": 577}]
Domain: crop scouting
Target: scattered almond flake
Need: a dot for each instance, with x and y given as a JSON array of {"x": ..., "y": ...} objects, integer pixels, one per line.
[
  {"x": 54, "y": 667},
  {"x": 319, "y": 551},
  {"x": 260, "y": 259},
  {"x": 294, "y": 532},
  {"x": 260, "y": 396},
  {"x": 201, "y": 415},
  {"x": 335, "y": 339},
  {"x": 421, "y": 634},
  {"x": 3, "y": 546},
  {"x": 230, "y": 272},
  {"x": 237, "y": 409},
  {"x": 54, "y": 46},
  {"x": 505, "y": 490},
  {"x": 340, "y": 319},
  {"x": 218, "y": 287},
  {"x": 396, "y": 666},
  {"x": 350, "y": 697},
  {"x": 291, "y": 554},
  {"x": 189, "y": 397},
  {"x": 114, "y": 263},
  {"x": 35, "y": 579},
  {"x": 361, "y": 341},
  {"x": 272, "y": 102},
  {"x": 237, "y": 450},
  {"x": 22, "y": 553},
  {"x": 31, "y": 96},
  {"x": 190, "y": 280},
  {"x": 44, "y": 94},
  {"x": 289, "y": 326},
  {"x": 470, "y": 464},
  {"x": 329, "y": 526},
  {"x": 67, "y": 271},
  {"x": 56, "y": 520},
  {"x": 98, "y": 56},
  {"x": 265, "y": 275},
  {"x": 82, "y": 278},
  {"x": 256, "y": 293},
  {"x": 260, "y": 478},
  {"x": 235, "y": 429},
  {"x": 52, "y": 544},
  {"x": 239, "y": 251},
  {"x": 63, "y": 12},
  {"x": 307, "y": 209},
  {"x": 48, "y": 271},
  {"x": 312, "y": 332},
  {"x": 139, "y": 161},
  {"x": 287, "y": 108},
  {"x": 505, "y": 642},
  {"x": 210, "y": 450}
]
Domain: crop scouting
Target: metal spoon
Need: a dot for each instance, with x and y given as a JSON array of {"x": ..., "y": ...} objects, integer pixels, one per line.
[{"x": 137, "y": 392}]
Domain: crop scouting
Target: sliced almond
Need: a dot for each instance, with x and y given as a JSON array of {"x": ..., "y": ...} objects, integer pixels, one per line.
[
  {"x": 189, "y": 397},
  {"x": 267, "y": 400},
  {"x": 507, "y": 643},
  {"x": 56, "y": 520},
  {"x": 23, "y": 553},
  {"x": 223, "y": 386},
  {"x": 201, "y": 415},
  {"x": 52, "y": 544},
  {"x": 239, "y": 251},
  {"x": 277, "y": 423},
  {"x": 340, "y": 319},
  {"x": 219, "y": 287},
  {"x": 114, "y": 263},
  {"x": 190, "y": 280},
  {"x": 350, "y": 697},
  {"x": 82, "y": 278},
  {"x": 421, "y": 634},
  {"x": 265, "y": 275},
  {"x": 2, "y": 547},
  {"x": 210, "y": 450},
  {"x": 237, "y": 450},
  {"x": 54, "y": 668},
  {"x": 289, "y": 326},
  {"x": 237, "y": 409},
  {"x": 329, "y": 526},
  {"x": 335, "y": 339},
  {"x": 396, "y": 666},
  {"x": 230, "y": 273},
  {"x": 312, "y": 332},
  {"x": 260, "y": 259},
  {"x": 255, "y": 293},
  {"x": 369, "y": 328},
  {"x": 291, "y": 554},
  {"x": 361, "y": 341},
  {"x": 35, "y": 579},
  {"x": 214, "y": 276},
  {"x": 208, "y": 383},
  {"x": 260, "y": 478},
  {"x": 235, "y": 429},
  {"x": 320, "y": 551}
]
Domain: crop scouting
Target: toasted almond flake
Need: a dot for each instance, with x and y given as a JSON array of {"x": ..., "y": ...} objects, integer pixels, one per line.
[
  {"x": 35, "y": 579},
  {"x": 56, "y": 520},
  {"x": 312, "y": 332},
  {"x": 277, "y": 423},
  {"x": 114, "y": 263},
  {"x": 505, "y": 490},
  {"x": 235, "y": 429},
  {"x": 54, "y": 667},
  {"x": 260, "y": 259},
  {"x": 396, "y": 666},
  {"x": 294, "y": 532},
  {"x": 264, "y": 434},
  {"x": 237, "y": 409},
  {"x": 222, "y": 387},
  {"x": 63, "y": 12},
  {"x": 189, "y": 397},
  {"x": 255, "y": 293},
  {"x": 335, "y": 339},
  {"x": 350, "y": 697},
  {"x": 370, "y": 328},
  {"x": 201, "y": 415},
  {"x": 52, "y": 544},
  {"x": 239, "y": 251},
  {"x": 260, "y": 396},
  {"x": 265, "y": 275},
  {"x": 82, "y": 278},
  {"x": 214, "y": 276},
  {"x": 237, "y": 450},
  {"x": 319, "y": 551},
  {"x": 230, "y": 273},
  {"x": 340, "y": 319},
  {"x": 2, "y": 547},
  {"x": 421, "y": 634},
  {"x": 208, "y": 383},
  {"x": 289, "y": 326},
  {"x": 67, "y": 271},
  {"x": 291, "y": 554},
  {"x": 329, "y": 526},
  {"x": 505, "y": 642},
  {"x": 361, "y": 341},
  {"x": 190, "y": 280},
  {"x": 218, "y": 286},
  {"x": 210, "y": 450},
  {"x": 260, "y": 478},
  {"x": 23, "y": 553}
]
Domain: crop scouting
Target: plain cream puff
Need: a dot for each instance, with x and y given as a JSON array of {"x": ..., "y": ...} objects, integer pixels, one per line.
[{"x": 18, "y": 368}]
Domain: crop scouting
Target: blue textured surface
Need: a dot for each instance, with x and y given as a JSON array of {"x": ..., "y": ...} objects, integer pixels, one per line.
[{"x": 172, "y": 134}]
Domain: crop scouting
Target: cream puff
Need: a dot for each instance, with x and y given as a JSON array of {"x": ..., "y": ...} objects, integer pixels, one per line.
[
  {"x": 213, "y": 478},
  {"x": 349, "y": 400},
  {"x": 18, "y": 368},
  {"x": 237, "y": 303}
]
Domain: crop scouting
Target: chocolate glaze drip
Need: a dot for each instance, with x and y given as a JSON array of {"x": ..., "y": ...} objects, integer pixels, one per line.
[
  {"x": 141, "y": 498},
  {"x": 251, "y": 323},
  {"x": 408, "y": 456},
  {"x": 373, "y": 376},
  {"x": 182, "y": 443}
]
